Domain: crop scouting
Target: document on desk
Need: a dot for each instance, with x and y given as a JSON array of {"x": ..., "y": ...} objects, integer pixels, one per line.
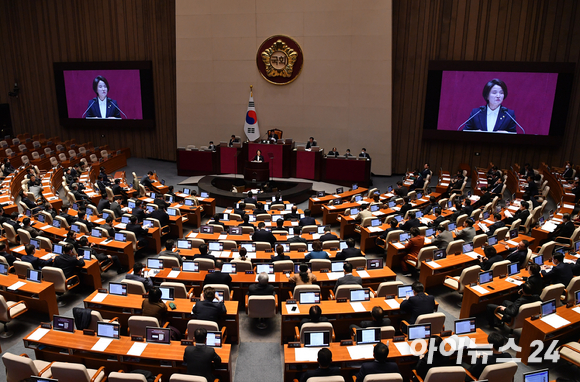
[
  {"x": 289, "y": 308},
  {"x": 511, "y": 242},
  {"x": 48, "y": 256},
  {"x": 100, "y": 220},
  {"x": 549, "y": 226},
  {"x": 479, "y": 289},
  {"x": 102, "y": 344},
  {"x": 222, "y": 236},
  {"x": 514, "y": 281},
  {"x": 306, "y": 354},
  {"x": 392, "y": 303},
  {"x": 398, "y": 245},
  {"x": 357, "y": 307},
  {"x": 38, "y": 334},
  {"x": 44, "y": 227},
  {"x": 576, "y": 309},
  {"x": 568, "y": 205},
  {"x": 433, "y": 264},
  {"x": 334, "y": 275},
  {"x": 294, "y": 224},
  {"x": 403, "y": 348},
  {"x": 173, "y": 274},
  {"x": 99, "y": 297},
  {"x": 363, "y": 274},
  {"x": 16, "y": 285},
  {"x": 508, "y": 214},
  {"x": 225, "y": 254},
  {"x": 555, "y": 321},
  {"x": 18, "y": 249},
  {"x": 378, "y": 213},
  {"x": 360, "y": 351},
  {"x": 375, "y": 229},
  {"x": 473, "y": 255},
  {"x": 193, "y": 234},
  {"x": 315, "y": 199},
  {"x": 137, "y": 349}
]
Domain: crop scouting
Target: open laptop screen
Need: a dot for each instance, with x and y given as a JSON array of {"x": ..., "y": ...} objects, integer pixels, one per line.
[
  {"x": 118, "y": 289},
  {"x": 167, "y": 293},
  {"x": 357, "y": 295},
  {"x": 419, "y": 332},
  {"x": 63, "y": 324},
  {"x": 368, "y": 336},
  {"x": 108, "y": 329},
  {"x": 309, "y": 297},
  {"x": 158, "y": 335},
  {"x": 317, "y": 339},
  {"x": 404, "y": 291},
  {"x": 537, "y": 376},
  {"x": 467, "y": 325}
]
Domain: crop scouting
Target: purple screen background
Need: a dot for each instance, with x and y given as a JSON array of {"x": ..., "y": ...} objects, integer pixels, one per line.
[
  {"x": 125, "y": 88},
  {"x": 530, "y": 95}
]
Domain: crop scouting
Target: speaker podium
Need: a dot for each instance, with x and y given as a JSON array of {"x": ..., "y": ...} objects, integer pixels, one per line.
[{"x": 257, "y": 171}]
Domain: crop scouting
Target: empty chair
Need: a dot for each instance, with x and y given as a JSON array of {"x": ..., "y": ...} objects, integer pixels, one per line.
[
  {"x": 8, "y": 311},
  {"x": 62, "y": 157},
  {"x": 180, "y": 289},
  {"x": 388, "y": 288},
  {"x": 25, "y": 160},
  {"x": 357, "y": 262},
  {"x": 318, "y": 264},
  {"x": 24, "y": 236},
  {"x": 570, "y": 352},
  {"x": 93, "y": 158},
  {"x": 134, "y": 286},
  {"x": 229, "y": 245},
  {"x": 547, "y": 249},
  {"x": 343, "y": 291},
  {"x": 261, "y": 307},
  {"x": 299, "y": 289},
  {"x": 35, "y": 155},
  {"x": 61, "y": 284},
  {"x": 137, "y": 324},
  {"x": 500, "y": 268},
  {"x": 120, "y": 376},
  {"x": 176, "y": 377},
  {"x": 329, "y": 244},
  {"x": 499, "y": 372},
  {"x": 309, "y": 229},
  {"x": 284, "y": 266},
  {"x": 205, "y": 264},
  {"x": 169, "y": 261},
  {"x": 21, "y": 267},
  {"x": 437, "y": 321},
  {"x": 425, "y": 253},
  {"x": 76, "y": 372},
  {"x": 479, "y": 240},
  {"x": 263, "y": 246},
  {"x": 310, "y": 327},
  {"x": 501, "y": 232},
  {"x": 298, "y": 246},
  {"x": 553, "y": 291},
  {"x": 20, "y": 367},
  {"x": 443, "y": 373},
  {"x": 467, "y": 276},
  {"x": 455, "y": 247},
  {"x": 383, "y": 377}
]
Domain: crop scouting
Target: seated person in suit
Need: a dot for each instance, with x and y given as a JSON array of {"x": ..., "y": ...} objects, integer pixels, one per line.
[
  {"x": 69, "y": 262},
  {"x": 280, "y": 225},
  {"x": 418, "y": 304},
  {"x": 418, "y": 183},
  {"x": 364, "y": 154},
  {"x": 116, "y": 207},
  {"x": 246, "y": 222},
  {"x": 438, "y": 218},
  {"x": 311, "y": 142},
  {"x": 250, "y": 198},
  {"x": 138, "y": 211},
  {"x": 137, "y": 275},
  {"x": 200, "y": 358},
  {"x": 161, "y": 214},
  {"x": 79, "y": 195},
  {"x": 559, "y": 273},
  {"x": 497, "y": 341},
  {"x": 333, "y": 152},
  {"x": 349, "y": 251},
  {"x": 293, "y": 215},
  {"x": 426, "y": 171},
  {"x": 28, "y": 228},
  {"x": 233, "y": 140},
  {"x": 412, "y": 222},
  {"x": 347, "y": 153},
  {"x": 240, "y": 209},
  {"x": 432, "y": 206},
  {"x": 535, "y": 279},
  {"x": 519, "y": 254},
  {"x": 37, "y": 263},
  {"x": 84, "y": 244},
  {"x": 140, "y": 233},
  {"x": 317, "y": 252},
  {"x": 10, "y": 258},
  {"x": 324, "y": 369},
  {"x": 401, "y": 190},
  {"x": 262, "y": 235},
  {"x": 496, "y": 188},
  {"x": 532, "y": 188},
  {"x": 307, "y": 219},
  {"x": 413, "y": 246},
  {"x": 118, "y": 190},
  {"x": 217, "y": 277},
  {"x": 216, "y": 221},
  {"x": 467, "y": 233},
  {"x": 443, "y": 238},
  {"x": 498, "y": 223},
  {"x": 303, "y": 277},
  {"x": 146, "y": 180},
  {"x": 563, "y": 231},
  {"x": 314, "y": 316},
  {"x": 379, "y": 365},
  {"x": 279, "y": 254},
  {"x": 348, "y": 277},
  {"x": 82, "y": 218},
  {"x": 394, "y": 226},
  {"x": 379, "y": 319},
  {"x": 425, "y": 363},
  {"x": 456, "y": 182},
  {"x": 510, "y": 309},
  {"x": 576, "y": 190},
  {"x": 328, "y": 235},
  {"x": 569, "y": 170},
  {"x": 262, "y": 288},
  {"x": 521, "y": 214},
  {"x": 203, "y": 253},
  {"x": 405, "y": 207},
  {"x": 209, "y": 308},
  {"x": 154, "y": 307},
  {"x": 491, "y": 257},
  {"x": 103, "y": 203},
  {"x": 272, "y": 136},
  {"x": 108, "y": 226}
]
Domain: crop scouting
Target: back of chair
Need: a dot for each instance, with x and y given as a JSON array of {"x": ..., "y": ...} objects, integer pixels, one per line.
[
  {"x": 500, "y": 268},
  {"x": 261, "y": 306},
  {"x": 318, "y": 264},
  {"x": 553, "y": 292},
  {"x": 284, "y": 266},
  {"x": 343, "y": 291},
  {"x": 356, "y": 262},
  {"x": 456, "y": 246},
  {"x": 242, "y": 266},
  {"x": 299, "y": 289},
  {"x": 169, "y": 261},
  {"x": 263, "y": 246},
  {"x": 331, "y": 378},
  {"x": 134, "y": 286},
  {"x": 547, "y": 249},
  {"x": 137, "y": 324},
  {"x": 525, "y": 311},
  {"x": 388, "y": 287},
  {"x": 10, "y": 233},
  {"x": 384, "y": 377},
  {"x": 479, "y": 240},
  {"x": 21, "y": 267},
  {"x": 65, "y": 371},
  {"x": 476, "y": 214},
  {"x": 445, "y": 374},
  {"x": 116, "y": 376},
  {"x": 18, "y": 368},
  {"x": 425, "y": 253},
  {"x": 460, "y": 220},
  {"x": 220, "y": 288},
  {"x": 328, "y": 244},
  {"x": 298, "y": 246},
  {"x": 176, "y": 377},
  {"x": 468, "y": 275},
  {"x": 229, "y": 245},
  {"x": 499, "y": 372},
  {"x": 437, "y": 320},
  {"x": 394, "y": 235},
  {"x": 573, "y": 286},
  {"x": 205, "y": 264},
  {"x": 55, "y": 276},
  {"x": 192, "y": 325},
  {"x": 501, "y": 232},
  {"x": 309, "y": 228},
  {"x": 387, "y": 332},
  {"x": 180, "y": 289},
  {"x": 309, "y": 327}
]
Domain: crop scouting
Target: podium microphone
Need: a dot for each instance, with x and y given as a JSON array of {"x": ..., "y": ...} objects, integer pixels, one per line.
[
  {"x": 481, "y": 108},
  {"x": 505, "y": 110},
  {"x": 119, "y": 110},
  {"x": 88, "y": 108}
]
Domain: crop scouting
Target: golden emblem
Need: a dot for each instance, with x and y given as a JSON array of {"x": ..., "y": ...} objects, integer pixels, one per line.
[{"x": 279, "y": 59}]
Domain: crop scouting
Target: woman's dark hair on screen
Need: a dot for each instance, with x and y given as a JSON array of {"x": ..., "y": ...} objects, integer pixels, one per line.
[
  {"x": 491, "y": 84},
  {"x": 101, "y": 78}
]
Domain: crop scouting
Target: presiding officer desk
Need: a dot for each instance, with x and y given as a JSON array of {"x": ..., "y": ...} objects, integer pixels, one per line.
[
  {"x": 40, "y": 297},
  {"x": 340, "y": 314},
  {"x": 157, "y": 358},
  {"x": 297, "y": 360},
  {"x": 124, "y": 307}
]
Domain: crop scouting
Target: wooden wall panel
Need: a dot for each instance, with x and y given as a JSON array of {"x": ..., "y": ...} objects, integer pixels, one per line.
[
  {"x": 35, "y": 34},
  {"x": 480, "y": 30}
]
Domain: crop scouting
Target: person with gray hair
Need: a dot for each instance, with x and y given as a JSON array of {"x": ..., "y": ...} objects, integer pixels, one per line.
[{"x": 262, "y": 288}]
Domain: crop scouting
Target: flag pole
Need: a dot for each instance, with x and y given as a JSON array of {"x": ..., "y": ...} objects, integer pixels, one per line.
[{"x": 251, "y": 90}]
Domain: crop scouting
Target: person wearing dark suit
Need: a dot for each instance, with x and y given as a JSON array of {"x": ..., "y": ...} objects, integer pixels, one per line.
[
  {"x": 217, "y": 277},
  {"x": 535, "y": 279},
  {"x": 493, "y": 117},
  {"x": 10, "y": 258},
  {"x": 418, "y": 304},
  {"x": 495, "y": 188},
  {"x": 418, "y": 183},
  {"x": 443, "y": 238},
  {"x": 311, "y": 142},
  {"x": 200, "y": 358},
  {"x": 307, "y": 219},
  {"x": 79, "y": 195},
  {"x": 258, "y": 157},
  {"x": 279, "y": 254},
  {"x": 348, "y": 278},
  {"x": 405, "y": 207},
  {"x": 379, "y": 365},
  {"x": 262, "y": 288},
  {"x": 293, "y": 215},
  {"x": 327, "y": 235},
  {"x": 140, "y": 233},
  {"x": 438, "y": 218},
  {"x": 240, "y": 210},
  {"x": 532, "y": 188},
  {"x": 246, "y": 222},
  {"x": 519, "y": 254},
  {"x": 364, "y": 154},
  {"x": 378, "y": 320},
  {"x": 117, "y": 189},
  {"x": 64, "y": 214},
  {"x": 497, "y": 341},
  {"x": 169, "y": 245},
  {"x": 333, "y": 152},
  {"x": 521, "y": 214},
  {"x": 394, "y": 226},
  {"x": 563, "y": 231},
  {"x": 426, "y": 171},
  {"x": 314, "y": 316},
  {"x": 467, "y": 208},
  {"x": 137, "y": 275},
  {"x": 412, "y": 222},
  {"x": 425, "y": 363},
  {"x": 510, "y": 309},
  {"x": 560, "y": 272},
  {"x": 280, "y": 225},
  {"x": 272, "y": 136},
  {"x": 203, "y": 253},
  {"x": 262, "y": 235},
  {"x": 103, "y": 204},
  {"x": 116, "y": 207},
  {"x": 37, "y": 263},
  {"x": 350, "y": 251},
  {"x": 401, "y": 190},
  {"x": 208, "y": 308},
  {"x": 576, "y": 191},
  {"x": 102, "y": 106},
  {"x": 138, "y": 211},
  {"x": 26, "y": 226},
  {"x": 431, "y": 207},
  {"x": 160, "y": 203},
  {"x": 69, "y": 262},
  {"x": 82, "y": 218},
  {"x": 233, "y": 140},
  {"x": 324, "y": 369},
  {"x": 568, "y": 172},
  {"x": 491, "y": 257},
  {"x": 146, "y": 180},
  {"x": 249, "y": 199},
  {"x": 161, "y": 215},
  {"x": 498, "y": 223}
]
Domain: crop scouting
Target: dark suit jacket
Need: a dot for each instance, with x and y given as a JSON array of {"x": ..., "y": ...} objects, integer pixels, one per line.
[
  {"x": 562, "y": 273},
  {"x": 117, "y": 190},
  {"x": 503, "y": 123},
  {"x": 9, "y": 257},
  {"x": 518, "y": 256},
  {"x": 208, "y": 310},
  {"x": 496, "y": 188},
  {"x": 374, "y": 367},
  {"x": 109, "y": 229},
  {"x": 423, "y": 366},
  {"x": 347, "y": 279},
  {"x": 410, "y": 224},
  {"x": 261, "y": 290},
  {"x": 95, "y": 110},
  {"x": 318, "y": 372},
  {"x": 68, "y": 264},
  {"x": 280, "y": 258},
  {"x": 328, "y": 236},
  {"x": 486, "y": 265},
  {"x": 160, "y": 215},
  {"x": 375, "y": 324},
  {"x": 291, "y": 216},
  {"x": 307, "y": 220},
  {"x": 139, "y": 232},
  {"x": 537, "y": 284},
  {"x": 263, "y": 235},
  {"x": 36, "y": 262},
  {"x": 116, "y": 208},
  {"x": 258, "y": 158},
  {"x": 429, "y": 209},
  {"x": 401, "y": 191},
  {"x": 512, "y": 310},
  {"x": 522, "y": 214},
  {"x": 565, "y": 229},
  {"x": 218, "y": 277},
  {"x": 139, "y": 213},
  {"x": 347, "y": 253},
  {"x": 199, "y": 359},
  {"x": 495, "y": 226},
  {"x": 418, "y": 305},
  {"x": 438, "y": 220},
  {"x": 171, "y": 254},
  {"x": 103, "y": 203},
  {"x": 200, "y": 256}
]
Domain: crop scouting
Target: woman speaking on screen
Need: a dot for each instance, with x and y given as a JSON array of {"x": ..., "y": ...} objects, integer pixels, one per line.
[
  {"x": 494, "y": 117},
  {"x": 101, "y": 106}
]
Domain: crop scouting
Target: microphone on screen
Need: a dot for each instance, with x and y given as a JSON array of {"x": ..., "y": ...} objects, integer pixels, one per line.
[
  {"x": 119, "y": 109},
  {"x": 88, "y": 108},
  {"x": 481, "y": 108},
  {"x": 505, "y": 110}
]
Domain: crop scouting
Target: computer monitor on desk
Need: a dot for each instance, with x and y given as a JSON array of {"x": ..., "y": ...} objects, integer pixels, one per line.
[
  {"x": 404, "y": 290},
  {"x": 63, "y": 324},
  {"x": 537, "y": 376},
  {"x": 465, "y": 326},
  {"x": 419, "y": 332},
  {"x": 167, "y": 293},
  {"x": 214, "y": 339},
  {"x": 485, "y": 277},
  {"x": 183, "y": 244},
  {"x": 513, "y": 269},
  {"x": 492, "y": 240},
  {"x": 368, "y": 336},
  {"x": 118, "y": 289},
  {"x": 158, "y": 335},
  {"x": 336, "y": 266},
  {"x": 357, "y": 295},
  {"x": 316, "y": 339},
  {"x": 548, "y": 307},
  {"x": 190, "y": 266},
  {"x": 309, "y": 298},
  {"x": 108, "y": 330}
]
